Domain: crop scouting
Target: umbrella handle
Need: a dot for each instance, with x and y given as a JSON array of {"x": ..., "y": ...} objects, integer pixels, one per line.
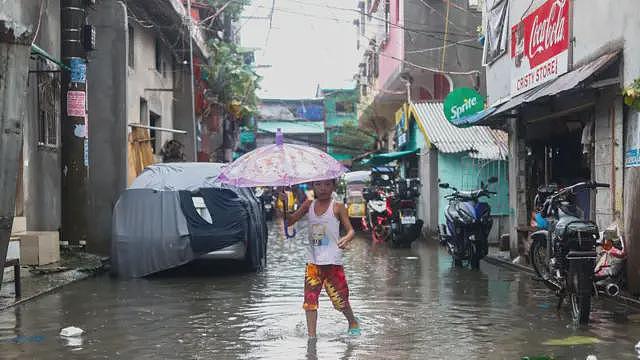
[
  {"x": 285, "y": 208},
  {"x": 286, "y": 230}
]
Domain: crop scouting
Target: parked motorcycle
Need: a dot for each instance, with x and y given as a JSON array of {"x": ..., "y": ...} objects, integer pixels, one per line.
[
  {"x": 563, "y": 253},
  {"x": 609, "y": 273},
  {"x": 468, "y": 223},
  {"x": 267, "y": 200},
  {"x": 405, "y": 225},
  {"x": 378, "y": 213}
]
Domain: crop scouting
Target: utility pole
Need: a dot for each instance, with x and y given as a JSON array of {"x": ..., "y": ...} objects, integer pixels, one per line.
[
  {"x": 193, "y": 90},
  {"x": 74, "y": 124},
  {"x": 18, "y": 26}
]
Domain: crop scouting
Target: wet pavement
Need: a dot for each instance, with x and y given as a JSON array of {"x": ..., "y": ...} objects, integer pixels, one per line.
[{"x": 412, "y": 304}]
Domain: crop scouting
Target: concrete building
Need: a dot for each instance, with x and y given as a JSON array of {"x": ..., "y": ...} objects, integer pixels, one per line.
[
  {"x": 140, "y": 75},
  {"x": 561, "y": 102},
  {"x": 301, "y": 120},
  {"x": 409, "y": 41},
  {"x": 38, "y": 197},
  {"x": 341, "y": 108}
]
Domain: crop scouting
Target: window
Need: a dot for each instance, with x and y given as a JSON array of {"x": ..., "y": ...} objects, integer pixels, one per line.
[
  {"x": 344, "y": 107},
  {"x": 398, "y": 11},
  {"x": 158, "y": 56},
  {"x": 441, "y": 86},
  {"x": 131, "y": 46},
  {"x": 387, "y": 17},
  {"x": 144, "y": 112},
  {"x": 154, "y": 120},
  {"x": 48, "y": 107}
]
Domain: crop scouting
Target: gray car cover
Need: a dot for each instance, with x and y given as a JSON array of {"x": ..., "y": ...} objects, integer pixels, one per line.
[{"x": 156, "y": 227}]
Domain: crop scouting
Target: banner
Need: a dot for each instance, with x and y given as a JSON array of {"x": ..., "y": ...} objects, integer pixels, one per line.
[{"x": 540, "y": 46}]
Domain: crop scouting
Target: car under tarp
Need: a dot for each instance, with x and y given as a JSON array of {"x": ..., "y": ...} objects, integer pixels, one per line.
[{"x": 156, "y": 225}]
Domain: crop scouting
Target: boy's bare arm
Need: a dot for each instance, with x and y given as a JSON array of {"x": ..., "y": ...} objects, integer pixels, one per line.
[
  {"x": 343, "y": 216},
  {"x": 298, "y": 214}
]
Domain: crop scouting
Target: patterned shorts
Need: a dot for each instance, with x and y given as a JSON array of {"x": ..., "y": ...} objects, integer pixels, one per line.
[{"x": 334, "y": 282}]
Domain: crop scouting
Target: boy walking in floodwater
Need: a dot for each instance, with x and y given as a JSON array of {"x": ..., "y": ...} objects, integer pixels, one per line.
[{"x": 324, "y": 254}]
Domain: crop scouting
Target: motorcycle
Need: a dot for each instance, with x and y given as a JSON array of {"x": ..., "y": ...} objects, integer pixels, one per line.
[
  {"x": 563, "y": 252},
  {"x": 468, "y": 223},
  {"x": 268, "y": 202},
  {"x": 609, "y": 273},
  {"x": 405, "y": 225},
  {"x": 378, "y": 214}
]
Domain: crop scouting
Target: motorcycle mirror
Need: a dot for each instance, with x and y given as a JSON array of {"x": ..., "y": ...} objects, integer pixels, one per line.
[
  {"x": 444, "y": 185},
  {"x": 493, "y": 180}
]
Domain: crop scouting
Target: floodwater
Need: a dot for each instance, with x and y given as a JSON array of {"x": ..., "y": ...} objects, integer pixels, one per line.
[{"x": 412, "y": 304}]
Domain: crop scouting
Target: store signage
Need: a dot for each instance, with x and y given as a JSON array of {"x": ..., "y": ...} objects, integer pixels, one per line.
[
  {"x": 632, "y": 143},
  {"x": 540, "y": 46},
  {"x": 401, "y": 130},
  {"x": 462, "y": 102}
]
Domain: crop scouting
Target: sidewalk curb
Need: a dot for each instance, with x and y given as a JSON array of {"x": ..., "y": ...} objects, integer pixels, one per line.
[{"x": 620, "y": 299}]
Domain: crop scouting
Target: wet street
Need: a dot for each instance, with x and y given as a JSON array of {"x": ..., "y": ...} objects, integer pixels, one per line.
[{"x": 412, "y": 304}]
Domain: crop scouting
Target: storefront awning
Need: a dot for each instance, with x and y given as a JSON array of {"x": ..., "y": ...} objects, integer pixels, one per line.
[
  {"x": 381, "y": 159},
  {"x": 577, "y": 79}
]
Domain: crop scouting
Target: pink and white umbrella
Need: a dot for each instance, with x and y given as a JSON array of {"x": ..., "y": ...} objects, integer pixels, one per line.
[{"x": 281, "y": 165}]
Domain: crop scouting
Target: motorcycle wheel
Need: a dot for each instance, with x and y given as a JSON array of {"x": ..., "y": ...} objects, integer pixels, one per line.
[
  {"x": 457, "y": 262},
  {"x": 538, "y": 256},
  {"x": 580, "y": 296},
  {"x": 474, "y": 260},
  {"x": 379, "y": 234}
]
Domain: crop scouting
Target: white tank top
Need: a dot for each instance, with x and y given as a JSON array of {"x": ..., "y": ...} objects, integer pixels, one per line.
[{"x": 324, "y": 233}]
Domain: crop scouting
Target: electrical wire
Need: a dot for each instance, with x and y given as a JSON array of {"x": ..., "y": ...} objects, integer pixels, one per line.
[
  {"x": 445, "y": 17},
  {"x": 446, "y": 30},
  {"x": 470, "y": 72}
]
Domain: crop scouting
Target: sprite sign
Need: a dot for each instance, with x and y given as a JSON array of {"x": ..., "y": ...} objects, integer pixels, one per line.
[{"x": 462, "y": 102}]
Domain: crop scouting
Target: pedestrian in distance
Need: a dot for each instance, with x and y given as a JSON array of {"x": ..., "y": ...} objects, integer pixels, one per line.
[{"x": 324, "y": 254}]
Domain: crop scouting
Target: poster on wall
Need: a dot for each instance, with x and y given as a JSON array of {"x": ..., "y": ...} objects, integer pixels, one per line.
[
  {"x": 632, "y": 150},
  {"x": 76, "y": 103},
  {"x": 540, "y": 46}
]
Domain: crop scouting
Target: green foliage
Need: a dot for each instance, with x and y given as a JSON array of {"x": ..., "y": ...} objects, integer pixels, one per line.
[
  {"x": 353, "y": 137},
  {"x": 631, "y": 94},
  {"x": 233, "y": 10},
  {"x": 230, "y": 78}
]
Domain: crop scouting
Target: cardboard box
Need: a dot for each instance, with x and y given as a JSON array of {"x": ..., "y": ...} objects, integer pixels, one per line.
[
  {"x": 13, "y": 251},
  {"x": 39, "y": 248},
  {"x": 19, "y": 225}
]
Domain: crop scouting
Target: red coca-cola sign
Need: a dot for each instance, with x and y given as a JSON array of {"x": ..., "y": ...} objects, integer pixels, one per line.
[{"x": 539, "y": 45}]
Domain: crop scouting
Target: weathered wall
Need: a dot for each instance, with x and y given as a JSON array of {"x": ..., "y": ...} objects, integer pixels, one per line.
[
  {"x": 41, "y": 163},
  {"x": 183, "y": 109},
  {"x": 426, "y": 49},
  {"x": 144, "y": 76},
  {"x": 108, "y": 102},
  {"x": 393, "y": 46}
]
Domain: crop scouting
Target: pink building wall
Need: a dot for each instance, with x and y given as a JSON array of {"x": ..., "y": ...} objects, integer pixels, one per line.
[{"x": 393, "y": 47}]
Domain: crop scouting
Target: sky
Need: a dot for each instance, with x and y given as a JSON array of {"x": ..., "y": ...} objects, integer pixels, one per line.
[{"x": 308, "y": 44}]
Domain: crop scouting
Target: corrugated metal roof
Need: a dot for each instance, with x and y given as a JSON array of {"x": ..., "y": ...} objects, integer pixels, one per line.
[
  {"x": 292, "y": 127},
  {"x": 481, "y": 141},
  {"x": 571, "y": 80}
]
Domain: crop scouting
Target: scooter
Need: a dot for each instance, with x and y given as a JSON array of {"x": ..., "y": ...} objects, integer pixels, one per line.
[
  {"x": 468, "y": 224},
  {"x": 378, "y": 214},
  {"x": 405, "y": 225},
  {"x": 609, "y": 274},
  {"x": 268, "y": 202}
]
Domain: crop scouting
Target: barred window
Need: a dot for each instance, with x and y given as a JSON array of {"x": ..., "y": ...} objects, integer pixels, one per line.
[{"x": 48, "y": 106}]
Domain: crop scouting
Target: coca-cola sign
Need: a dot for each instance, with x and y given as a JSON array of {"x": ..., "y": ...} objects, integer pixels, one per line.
[{"x": 540, "y": 46}]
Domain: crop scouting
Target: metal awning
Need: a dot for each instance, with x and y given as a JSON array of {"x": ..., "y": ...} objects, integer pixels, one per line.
[
  {"x": 381, "y": 159},
  {"x": 36, "y": 50},
  {"x": 574, "y": 80}
]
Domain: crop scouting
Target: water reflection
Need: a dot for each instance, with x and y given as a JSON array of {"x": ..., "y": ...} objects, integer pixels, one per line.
[{"x": 412, "y": 303}]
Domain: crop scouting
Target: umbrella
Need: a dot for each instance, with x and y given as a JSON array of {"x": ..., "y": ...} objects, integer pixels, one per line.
[{"x": 281, "y": 164}]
